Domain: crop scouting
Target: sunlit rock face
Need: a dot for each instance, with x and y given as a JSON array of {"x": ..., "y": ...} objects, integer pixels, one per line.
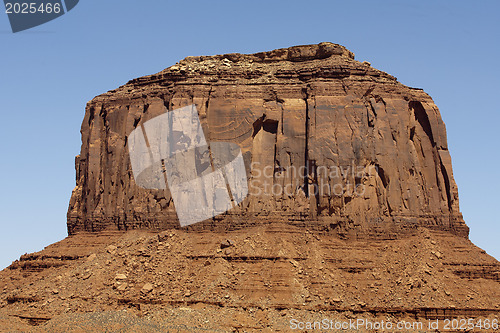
[{"x": 327, "y": 142}]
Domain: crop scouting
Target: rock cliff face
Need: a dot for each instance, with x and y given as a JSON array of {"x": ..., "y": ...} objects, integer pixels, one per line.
[{"x": 328, "y": 142}]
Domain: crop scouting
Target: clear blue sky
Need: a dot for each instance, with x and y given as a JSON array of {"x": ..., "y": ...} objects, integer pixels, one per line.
[{"x": 48, "y": 73}]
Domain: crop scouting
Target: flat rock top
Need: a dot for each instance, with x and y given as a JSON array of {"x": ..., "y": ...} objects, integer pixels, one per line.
[
  {"x": 294, "y": 53},
  {"x": 292, "y": 65}
]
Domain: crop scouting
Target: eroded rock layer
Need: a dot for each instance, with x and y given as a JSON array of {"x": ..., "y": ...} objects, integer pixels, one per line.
[
  {"x": 254, "y": 279},
  {"x": 328, "y": 142}
]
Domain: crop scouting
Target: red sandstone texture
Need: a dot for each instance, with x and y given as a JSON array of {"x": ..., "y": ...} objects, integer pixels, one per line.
[
  {"x": 249, "y": 280},
  {"x": 396, "y": 251},
  {"x": 322, "y": 122}
]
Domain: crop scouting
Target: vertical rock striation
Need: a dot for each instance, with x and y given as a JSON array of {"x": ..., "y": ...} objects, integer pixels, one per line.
[{"x": 328, "y": 142}]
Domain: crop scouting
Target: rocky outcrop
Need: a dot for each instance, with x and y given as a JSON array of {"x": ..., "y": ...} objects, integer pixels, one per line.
[
  {"x": 246, "y": 280},
  {"x": 328, "y": 142}
]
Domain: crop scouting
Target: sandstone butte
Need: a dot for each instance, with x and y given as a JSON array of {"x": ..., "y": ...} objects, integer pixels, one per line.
[{"x": 389, "y": 243}]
